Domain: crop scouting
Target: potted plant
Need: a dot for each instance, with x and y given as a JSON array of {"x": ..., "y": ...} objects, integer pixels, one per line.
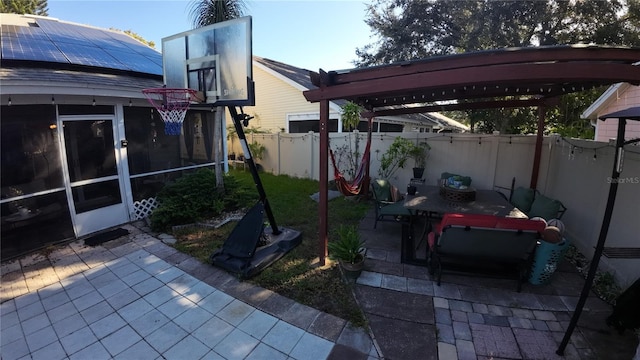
[
  {"x": 420, "y": 154},
  {"x": 400, "y": 151},
  {"x": 257, "y": 150},
  {"x": 348, "y": 249}
]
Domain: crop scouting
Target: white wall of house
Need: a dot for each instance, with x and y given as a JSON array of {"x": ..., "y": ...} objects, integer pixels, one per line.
[
  {"x": 616, "y": 98},
  {"x": 575, "y": 178}
]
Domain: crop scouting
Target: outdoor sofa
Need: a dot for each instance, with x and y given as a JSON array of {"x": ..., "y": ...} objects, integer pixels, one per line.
[{"x": 484, "y": 244}]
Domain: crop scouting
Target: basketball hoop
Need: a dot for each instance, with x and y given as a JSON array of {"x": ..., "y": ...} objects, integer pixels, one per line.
[{"x": 172, "y": 104}]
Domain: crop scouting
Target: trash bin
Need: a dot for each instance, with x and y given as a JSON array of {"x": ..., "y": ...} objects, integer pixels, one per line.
[{"x": 546, "y": 259}]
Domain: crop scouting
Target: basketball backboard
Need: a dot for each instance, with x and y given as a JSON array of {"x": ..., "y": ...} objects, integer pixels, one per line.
[{"x": 215, "y": 60}]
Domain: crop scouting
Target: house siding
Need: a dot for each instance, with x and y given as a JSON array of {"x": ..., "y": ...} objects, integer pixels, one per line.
[
  {"x": 608, "y": 129},
  {"x": 275, "y": 99}
]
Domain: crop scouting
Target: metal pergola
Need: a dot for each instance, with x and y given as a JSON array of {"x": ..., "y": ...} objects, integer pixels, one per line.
[{"x": 504, "y": 78}]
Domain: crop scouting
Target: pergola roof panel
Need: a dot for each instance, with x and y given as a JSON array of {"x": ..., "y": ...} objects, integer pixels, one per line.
[{"x": 528, "y": 72}]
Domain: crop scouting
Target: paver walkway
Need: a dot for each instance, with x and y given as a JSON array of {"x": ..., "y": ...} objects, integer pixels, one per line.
[
  {"x": 471, "y": 317},
  {"x": 137, "y": 298}
]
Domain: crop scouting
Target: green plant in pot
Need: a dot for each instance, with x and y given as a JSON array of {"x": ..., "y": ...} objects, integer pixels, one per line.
[
  {"x": 398, "y": 154},
  {"x": 348, "y": 249},
  {"x": 420, "y": 154}
]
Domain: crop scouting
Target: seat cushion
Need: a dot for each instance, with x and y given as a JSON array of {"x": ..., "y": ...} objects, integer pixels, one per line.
[
  {"x": 522, "y": 198},
  {"x": 382, "y": 189},
  {"x": 395, "y": 209},
  {"x": 544, "y": 207}
]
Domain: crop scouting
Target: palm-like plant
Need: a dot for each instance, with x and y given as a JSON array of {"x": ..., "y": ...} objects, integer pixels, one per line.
[{"x": 207, "y": 12}]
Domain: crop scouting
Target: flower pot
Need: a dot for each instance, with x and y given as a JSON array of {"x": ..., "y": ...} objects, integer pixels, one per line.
[
  {"x": 352, "y": 270},
  {"x": 418, "y": 172}
]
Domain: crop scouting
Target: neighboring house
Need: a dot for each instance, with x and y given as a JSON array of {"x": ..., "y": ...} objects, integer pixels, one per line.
[
  {"x": 616, "y": 97},
  {"x": 82, "y": 150},
  {"x": 281, "y": 107}
]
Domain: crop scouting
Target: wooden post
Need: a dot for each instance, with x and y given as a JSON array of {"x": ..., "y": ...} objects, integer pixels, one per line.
[
  {"x": 323, "y": 211},
  {"x": 538, "y": 151}
]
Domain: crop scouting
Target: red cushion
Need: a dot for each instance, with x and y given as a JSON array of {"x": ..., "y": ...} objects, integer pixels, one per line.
[
  {"x": 520, "y": 224},
  {"x": 431, "y": 239},
  {"x": 476, "y": 220}
]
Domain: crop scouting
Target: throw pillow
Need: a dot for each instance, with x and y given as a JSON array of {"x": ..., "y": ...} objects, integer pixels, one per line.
[
  {"x": 544, "y": 207},
  {"x": 395, "y": 194},
  {"x": 522, "y": 198}
]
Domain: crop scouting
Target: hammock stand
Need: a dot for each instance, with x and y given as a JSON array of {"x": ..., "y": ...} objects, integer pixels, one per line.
[{"x": 360, "y": 183}]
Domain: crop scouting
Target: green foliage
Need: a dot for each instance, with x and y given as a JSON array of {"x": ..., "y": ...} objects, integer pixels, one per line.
[
  {"x": 257, "y": 150},
  {"x": 195, "y": 197},
  {"x": 137, "y": 37},
  {"x": 34, "y": 7},
  {"x": 605, "y": 286},
  {"x": 348, "y": 247},
  {"x": 408, "y": 30},
  {"x": 351, "y": 115},
  {"x": 398, "y": 153},
  {"x": 207, "y": 12},
  {"x": 420, "y": 154}
]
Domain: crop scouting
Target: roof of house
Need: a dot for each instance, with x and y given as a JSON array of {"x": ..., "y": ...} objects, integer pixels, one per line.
[
  {"x": 301, "y": 77},
  {"x": 601, "y": 102},
  {"x": 30, "y": 40},
  {"x": 43, "y": 54}
]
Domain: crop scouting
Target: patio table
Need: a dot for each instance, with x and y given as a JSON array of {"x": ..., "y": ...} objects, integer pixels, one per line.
[{"x": 427, "y": 200}]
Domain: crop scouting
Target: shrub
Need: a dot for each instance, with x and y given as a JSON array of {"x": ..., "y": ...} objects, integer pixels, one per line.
[{"x": 194, "y": 197}]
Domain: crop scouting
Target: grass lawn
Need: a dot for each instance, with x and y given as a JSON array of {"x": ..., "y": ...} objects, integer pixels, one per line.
[{"x": 295, "y": 275}]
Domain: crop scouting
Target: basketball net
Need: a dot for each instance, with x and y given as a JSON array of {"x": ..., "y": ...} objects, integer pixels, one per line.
[{"x": 172, "y": 104}]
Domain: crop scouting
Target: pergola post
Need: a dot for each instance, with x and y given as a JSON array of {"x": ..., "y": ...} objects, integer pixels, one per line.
[
  {"x": 323, "y": 210},
  {"x": 538, "y": 151}
]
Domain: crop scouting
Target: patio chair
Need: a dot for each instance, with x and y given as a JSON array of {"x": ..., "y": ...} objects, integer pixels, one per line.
[{"x": 388, "y": 207}]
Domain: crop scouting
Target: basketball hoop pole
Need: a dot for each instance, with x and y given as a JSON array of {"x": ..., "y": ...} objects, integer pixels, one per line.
[{"x": 237, "y": 118}]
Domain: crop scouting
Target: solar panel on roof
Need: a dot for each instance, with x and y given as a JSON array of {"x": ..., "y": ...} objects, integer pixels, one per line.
[
  {"x": 54, "y": 41},
  {"x": 19, "y": 49}
]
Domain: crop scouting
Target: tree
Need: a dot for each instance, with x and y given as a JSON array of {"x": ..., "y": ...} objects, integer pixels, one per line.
[
  {"x": 207, "y": 12},
  {"x": 34, "y": 7},
  {"x": 409, "y": 30}
]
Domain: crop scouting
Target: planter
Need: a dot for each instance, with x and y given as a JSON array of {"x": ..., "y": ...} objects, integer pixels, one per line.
[
  {"x": 352, "y": 271},
  {"x": 418, "y": 172}
]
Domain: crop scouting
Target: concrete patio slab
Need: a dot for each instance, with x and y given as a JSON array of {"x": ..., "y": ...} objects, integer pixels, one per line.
[{"x": 122, "y": 300}]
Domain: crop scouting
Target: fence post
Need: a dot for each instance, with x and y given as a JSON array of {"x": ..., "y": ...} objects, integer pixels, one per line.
[{"x": 279, "y": 159}]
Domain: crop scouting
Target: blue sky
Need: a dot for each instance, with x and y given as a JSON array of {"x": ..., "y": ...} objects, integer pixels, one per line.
[{"x": 305, "y": 33}]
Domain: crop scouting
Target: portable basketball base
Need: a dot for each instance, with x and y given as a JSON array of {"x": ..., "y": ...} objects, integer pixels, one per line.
[{"x": 243, "y": 253}]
